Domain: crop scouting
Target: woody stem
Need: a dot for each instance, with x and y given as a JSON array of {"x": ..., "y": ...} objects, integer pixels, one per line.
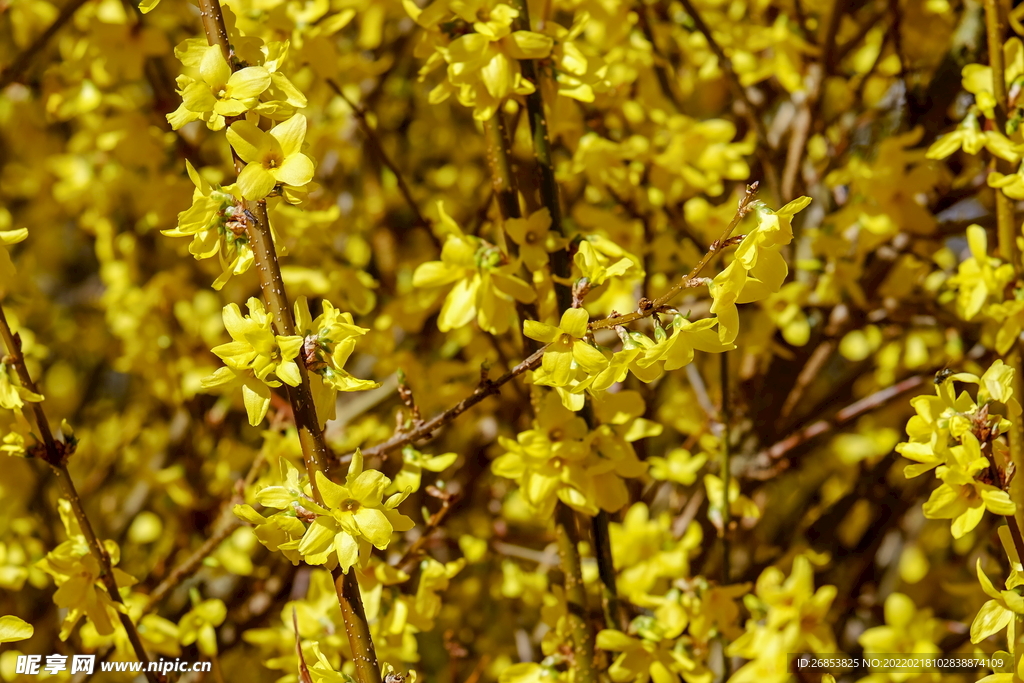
[
  {"x": 55, "y": 459},
  {"x": 311, "y": 438}
]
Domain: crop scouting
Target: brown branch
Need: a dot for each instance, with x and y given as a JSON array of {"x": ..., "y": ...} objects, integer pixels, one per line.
[
  {"x": 17, "y": 68},
  {"x": 727, "y": 68},
  {"x": 995, "y": 26},
  {"x": 738, "y": 91},
  {"x": 816, "y": 429},
  {"x": 426, "y": 429},
  {"x": 693, "y": 277},
  {"x": 417, "y": 547},
  {"x": 378, "y": 149},
  {"x": 660, "y": 61},
  {"x": 55, "y": 455},
  {"x": 195, "y": 560},
  {"x": 503, "y": 180},
  {"x": 549, "y": 194},
  {"x": 613, "y": 614},
  {"x": 585, "y": 668},
  {"x": 1018, "y": 540},
  {"x": 311, "y": 437},
  {"x": 192, "y": 563},
  {"x": 485, "y": 389}
]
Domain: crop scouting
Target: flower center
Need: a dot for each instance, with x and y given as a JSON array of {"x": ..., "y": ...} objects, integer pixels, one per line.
[
  {"x": 222, "y": 93},
  {"x": 530, "y": 237},
  {"x": 969, "y": 492},
  {"x": 349, "y": 505}
]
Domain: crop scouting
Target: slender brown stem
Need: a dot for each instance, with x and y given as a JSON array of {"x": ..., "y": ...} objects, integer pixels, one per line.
[
  {"x": 413, "y": 552},
  {"x": 995, "y": 29},
  {"x": 17, "y": 68},
  {"x": 356, "y": 627},
  {"x": 314, "y": 449},
  {"x": 426, "y": 429},
  {"x": 549, "y": 196},
  {"x": 499, "y": 157},
  {"x": 613, "y": 616},
  {"x": 745, "y": 204},
  {"x": 378, "y": 149},
  {"x": 55, "y": 456},
  {"x": 311, "y": 438},
  {"x": 575, "y": 595},
  {"x": 738, "y": 90},
  {"x": 214, "y": 27},
  {"x": 661, "y": 62},
  {"x": 193, "y": 562},
  {"x": 816, "y": 429},
  {"x": 726, "y": 417},
  {"x": 995, "y": 26}
]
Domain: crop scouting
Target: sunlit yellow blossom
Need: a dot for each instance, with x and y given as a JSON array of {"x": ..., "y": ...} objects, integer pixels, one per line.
[
  {"x": 353, "y": 518},
  {"x": 220, "y": 93},
  {"x": 273, "y": 158},
  {"x": 566, "y": 345},
  {"x": 977, "y": 78},
  {"x": 565, "y": 462},
  {"x": 327, "y": 343},
  {"x": 980, "y": 277},
  {"x": 485, "y": 287},
  {"x": 76, "y": 571},
  {"x": 963, "y": 498},
  {"x": 972, "y": 139},
  {"x": 533, "y": 238},
  {"x": 677, "y": 350},
  {"x": 8, "y": 237},
  {"x": 643, "y": 659},
  {"x": 216, "y": 224},
  {"x": 13, "y": 629},
  {"x": 1002, "y": 610},
  {"x": 257, "y": 358},
  {"x": 483, "y": 66},
  {"x": 198, "y": 625},
  {"x": 907, "y": 630}
]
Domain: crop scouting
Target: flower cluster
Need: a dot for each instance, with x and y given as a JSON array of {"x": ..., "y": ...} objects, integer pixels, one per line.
[
  {"x": 353, "y": 519},
  {"x": 486, "y": 288},
  {"x": 960, "y": 439}
]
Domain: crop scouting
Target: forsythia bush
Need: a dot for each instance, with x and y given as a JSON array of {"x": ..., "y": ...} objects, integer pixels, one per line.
[{"x": 554, "y": 341}]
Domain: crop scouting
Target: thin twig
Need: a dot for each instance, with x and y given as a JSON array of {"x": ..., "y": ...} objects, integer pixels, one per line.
[
  {"x": 378, "y": 148},
  {"x": 17, "y": 68},
  {"x": 745, "y": 204},
  {"x": 613, "y": 615},
  {"x": 503, "y": 180},
  {"x": 549, "y": 196},
  {"x": 485, "y": 389},
  {"x": 726, "y": 413},
  {"x": 660, "y": 61},
  {"x": 193, "y": 562},
  {"x": 55, "y": 455},
  {"x": 311, "y": 438},
  {"x": 851, "y": 412},
  {"x": 417, "y": 547},
  {"x": 738, "y": 91},
  {"x": 490, "y": 387},
  {"x": 995, "y": 26},
  {"x": 575, "y": 595}
]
